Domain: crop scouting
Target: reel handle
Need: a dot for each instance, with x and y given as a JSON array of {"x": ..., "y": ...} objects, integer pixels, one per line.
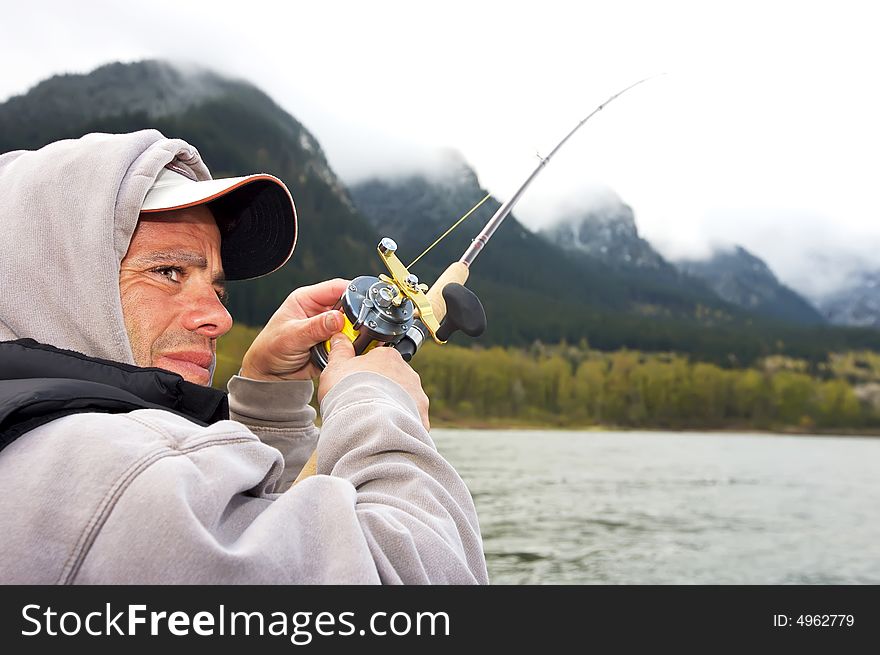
[
  {"x": 407, "y": 348},
  {"x": 464, "y": 312}
]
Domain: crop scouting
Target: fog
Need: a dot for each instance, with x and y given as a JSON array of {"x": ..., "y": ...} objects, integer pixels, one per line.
[{"x": 762, "y": 132}]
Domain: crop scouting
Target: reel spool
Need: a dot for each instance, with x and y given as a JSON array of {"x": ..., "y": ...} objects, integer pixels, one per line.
[{"x": 371, "y": 317}]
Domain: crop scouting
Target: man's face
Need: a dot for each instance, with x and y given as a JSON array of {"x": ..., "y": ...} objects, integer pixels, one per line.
[{"x": 171, "y": 285}]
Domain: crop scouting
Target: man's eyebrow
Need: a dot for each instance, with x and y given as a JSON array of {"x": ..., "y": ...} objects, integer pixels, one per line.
[{"x": 185, "y": 257}]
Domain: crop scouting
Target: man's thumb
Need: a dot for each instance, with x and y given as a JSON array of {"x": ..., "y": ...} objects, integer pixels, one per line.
[
  {"x": 341, "y": 349},
  {"x": 323, "y": 326}
]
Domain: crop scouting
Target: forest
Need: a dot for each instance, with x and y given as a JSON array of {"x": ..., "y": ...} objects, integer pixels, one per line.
[{"x": 576, "y": 386}]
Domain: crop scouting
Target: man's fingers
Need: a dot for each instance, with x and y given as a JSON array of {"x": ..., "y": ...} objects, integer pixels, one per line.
[
  {"x": 341, "y": 349},
  {"x": 317, "y": 297},
  {"x": 305, "y": 333}
]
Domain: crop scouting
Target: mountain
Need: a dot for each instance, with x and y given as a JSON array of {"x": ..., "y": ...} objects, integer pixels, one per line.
[
  {"x": 742, "y": 279},
  {"x": 415, "y": 209},
  {"x": 532, "y": 289},
  {"x": 607, "y": 232},
  {"x": 238, "y": 130},
  {"x": 857, "y": 303},
  {"x": 627, "y": 296}
]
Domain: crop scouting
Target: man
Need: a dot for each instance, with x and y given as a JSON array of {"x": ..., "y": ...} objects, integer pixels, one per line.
[{"x": 118, "y": 464}]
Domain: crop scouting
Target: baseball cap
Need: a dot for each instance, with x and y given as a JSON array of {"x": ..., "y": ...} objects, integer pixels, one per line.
[{"x": 255, "y": 214}]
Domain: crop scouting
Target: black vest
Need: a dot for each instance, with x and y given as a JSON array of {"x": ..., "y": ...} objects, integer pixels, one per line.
[{"x": 40, "y": 383}]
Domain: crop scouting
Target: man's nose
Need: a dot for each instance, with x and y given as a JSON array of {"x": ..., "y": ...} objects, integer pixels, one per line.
[{"x": 205, "y": 314}]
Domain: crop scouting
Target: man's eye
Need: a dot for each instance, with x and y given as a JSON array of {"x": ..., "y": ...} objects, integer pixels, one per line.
[{"x": 171, "y": 272}]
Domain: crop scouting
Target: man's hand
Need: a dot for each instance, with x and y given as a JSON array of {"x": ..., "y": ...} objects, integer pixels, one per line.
[
  {"x": 281, "y": 350},
  {"x": 381, "y": 360}
]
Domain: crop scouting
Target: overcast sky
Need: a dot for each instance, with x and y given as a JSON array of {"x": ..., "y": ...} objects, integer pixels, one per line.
[{"x": 764, "y": 130}]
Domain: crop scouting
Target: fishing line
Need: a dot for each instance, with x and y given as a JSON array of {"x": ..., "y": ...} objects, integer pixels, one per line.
[{"x": 446, "y": 233}]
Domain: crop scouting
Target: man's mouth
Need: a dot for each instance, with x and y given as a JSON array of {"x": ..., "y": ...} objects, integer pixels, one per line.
[{"x": 193, "y": 366}]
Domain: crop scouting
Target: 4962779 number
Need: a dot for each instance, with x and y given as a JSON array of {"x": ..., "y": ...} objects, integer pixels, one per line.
[{"x": 825, "y": 620}]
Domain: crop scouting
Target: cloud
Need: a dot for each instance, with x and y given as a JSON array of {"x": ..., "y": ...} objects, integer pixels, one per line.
[
  {"x": 763, "y": 133},
  {"x": 806, "y": 251}
]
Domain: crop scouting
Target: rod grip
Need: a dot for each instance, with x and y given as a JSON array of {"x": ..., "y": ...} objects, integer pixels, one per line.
[{"x": 457, "y": 272}]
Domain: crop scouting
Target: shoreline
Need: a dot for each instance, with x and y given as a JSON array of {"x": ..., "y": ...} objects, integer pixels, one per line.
[{"x": 785, "y": 431}]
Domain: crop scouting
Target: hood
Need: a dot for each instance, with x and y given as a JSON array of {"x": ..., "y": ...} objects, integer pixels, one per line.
[{"x": 67, "y": 214}]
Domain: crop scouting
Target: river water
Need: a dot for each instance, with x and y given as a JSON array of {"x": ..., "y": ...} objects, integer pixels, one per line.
[{"x": 672, "y": 508}]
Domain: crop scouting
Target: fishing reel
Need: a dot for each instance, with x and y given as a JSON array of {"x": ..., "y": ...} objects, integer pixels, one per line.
[{"x": 395, "y": 311}]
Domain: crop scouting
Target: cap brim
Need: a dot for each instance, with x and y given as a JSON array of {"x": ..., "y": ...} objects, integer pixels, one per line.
[{"x": 256, "y": 216}]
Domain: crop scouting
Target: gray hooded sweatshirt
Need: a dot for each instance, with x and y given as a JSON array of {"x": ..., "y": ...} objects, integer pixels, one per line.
[{"x": 151, "y": 497}]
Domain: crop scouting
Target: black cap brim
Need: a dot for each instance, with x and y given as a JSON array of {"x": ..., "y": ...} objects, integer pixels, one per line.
[{"x": 257, "y": 222}]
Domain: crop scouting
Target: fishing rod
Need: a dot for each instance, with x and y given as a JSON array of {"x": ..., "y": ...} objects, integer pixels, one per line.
[{"x": 398, "y": 311}]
